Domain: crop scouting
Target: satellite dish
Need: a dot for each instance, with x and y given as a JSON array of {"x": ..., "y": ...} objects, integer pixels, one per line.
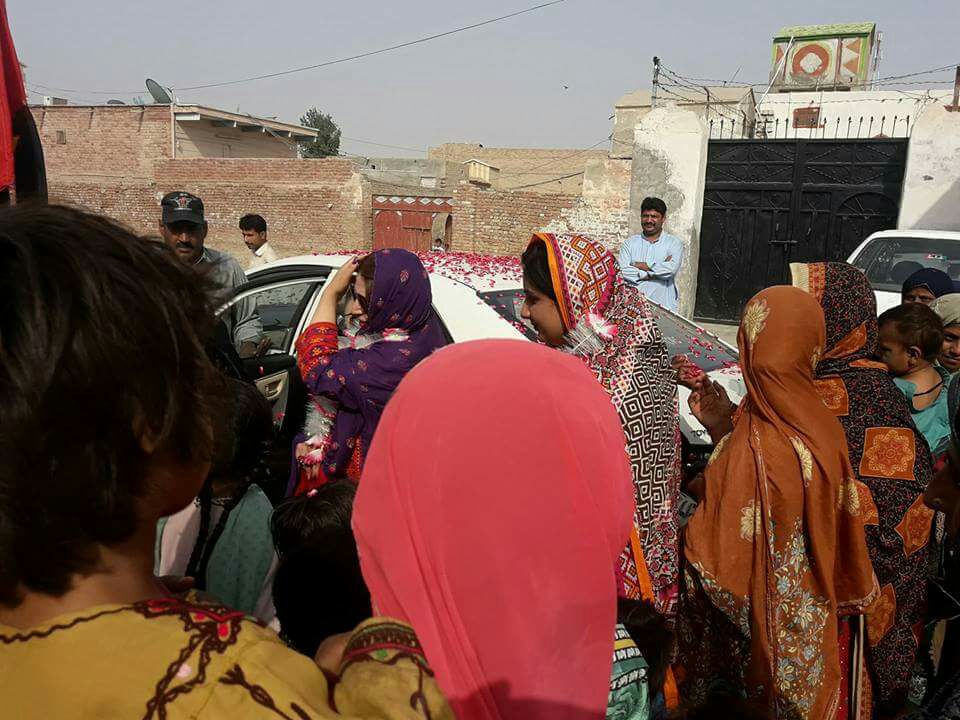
[
  {"x": 160, "y": 94},
  {"x": 115, "y": 102}
]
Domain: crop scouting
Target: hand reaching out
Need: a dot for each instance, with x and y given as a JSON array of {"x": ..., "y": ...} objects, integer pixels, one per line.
[
  {"x": 711, "y": 405},
  {"x": 688, "y": 374}
]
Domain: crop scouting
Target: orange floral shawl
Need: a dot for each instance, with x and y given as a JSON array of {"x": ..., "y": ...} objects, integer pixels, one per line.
[
  {"x": 776, "y": 551},
  {"x": 630, "y": 362}
]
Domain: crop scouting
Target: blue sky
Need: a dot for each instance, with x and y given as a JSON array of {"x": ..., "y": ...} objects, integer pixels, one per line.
[{"x": 502, "y": 84}]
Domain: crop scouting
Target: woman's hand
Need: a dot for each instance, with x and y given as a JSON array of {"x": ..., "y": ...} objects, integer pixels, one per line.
[
  {"x": 327, "y": 307},
  {"x": 687, "y": 373},
  {"x": 341, "y": 280},
  {"x": 710, "y": 405}
]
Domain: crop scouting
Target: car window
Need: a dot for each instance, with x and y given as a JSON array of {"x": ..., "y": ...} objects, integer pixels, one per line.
[
  {"x": 680, "y": 335},
  {"x": 509, "y": 303},
  {"x": 280, "y": 308},
  {"x": 888, "y": 261}
]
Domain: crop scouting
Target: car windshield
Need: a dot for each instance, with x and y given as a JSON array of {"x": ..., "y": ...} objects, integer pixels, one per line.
[
  {"x": 680, "y": 335},
  {"x": 888, "y": 261}
]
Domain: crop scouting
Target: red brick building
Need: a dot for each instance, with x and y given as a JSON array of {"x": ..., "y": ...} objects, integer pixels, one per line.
[{"x": 120, "y": 160}]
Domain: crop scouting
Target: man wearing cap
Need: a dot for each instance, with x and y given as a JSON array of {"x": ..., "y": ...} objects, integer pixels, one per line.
[{"x": 184, "y": 230}]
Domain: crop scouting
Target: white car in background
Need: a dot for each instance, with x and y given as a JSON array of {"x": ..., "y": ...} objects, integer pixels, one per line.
[
  {"x": 476, "y": 297},
  {"x": 889, "y": 257}
]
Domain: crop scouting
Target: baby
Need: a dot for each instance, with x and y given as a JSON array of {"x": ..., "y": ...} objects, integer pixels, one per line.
[{"x": 911, "y": 336}]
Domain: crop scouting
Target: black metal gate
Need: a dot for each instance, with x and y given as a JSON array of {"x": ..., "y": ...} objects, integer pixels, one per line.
[{"x": 768, "y": 203}]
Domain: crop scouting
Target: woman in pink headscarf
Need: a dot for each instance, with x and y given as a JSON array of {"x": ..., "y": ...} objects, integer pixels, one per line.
[{"x": 501, "y": 550}]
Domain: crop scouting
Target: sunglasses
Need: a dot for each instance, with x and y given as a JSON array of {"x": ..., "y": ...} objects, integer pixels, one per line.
[{"x": 361, "y": 300}]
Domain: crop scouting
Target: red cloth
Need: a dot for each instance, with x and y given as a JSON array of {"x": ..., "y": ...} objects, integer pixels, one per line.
[
  {"x": 317, "y": 342},
  {"x": 312, "y": 477},
  {"x": 13, "y": 98},
  {"x": 844, "y": 641},
  {"x": 495, "y": 502}
]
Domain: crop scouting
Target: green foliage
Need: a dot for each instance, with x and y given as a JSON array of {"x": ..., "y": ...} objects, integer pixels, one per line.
[{"x": 328, "y": 142}]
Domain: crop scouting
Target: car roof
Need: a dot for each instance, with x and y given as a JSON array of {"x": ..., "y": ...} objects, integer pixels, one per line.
[
  {"x": 918, "y": 233},
  {"x": 483, "y": 273}
]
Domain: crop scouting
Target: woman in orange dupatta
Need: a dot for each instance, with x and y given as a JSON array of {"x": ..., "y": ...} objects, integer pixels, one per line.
[{"x": 776, "y": 551}]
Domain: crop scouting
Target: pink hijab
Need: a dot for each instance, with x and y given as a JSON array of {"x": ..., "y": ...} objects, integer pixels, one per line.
[{"x": 492, "y": 510}]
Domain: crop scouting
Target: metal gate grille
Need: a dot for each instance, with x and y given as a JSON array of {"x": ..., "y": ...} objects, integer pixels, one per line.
[{"x": 768, "y": 203}]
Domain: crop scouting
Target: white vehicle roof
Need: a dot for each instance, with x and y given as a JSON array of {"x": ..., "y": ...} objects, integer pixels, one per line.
[
  {"x": 482, "y": 273},
  {"x": 914, "y": 233}
]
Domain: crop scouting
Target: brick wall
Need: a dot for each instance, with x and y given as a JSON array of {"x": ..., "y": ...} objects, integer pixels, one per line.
[
  {"x": 525, "y": 166},
  {"x": 119, "y": 143},
  {"x": 309, "y": 205},
  {"x": 499, "y": 222},
  {"x": 116, "y": 161}
]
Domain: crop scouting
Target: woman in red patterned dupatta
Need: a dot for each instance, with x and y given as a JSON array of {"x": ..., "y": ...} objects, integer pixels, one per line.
[
  {"x": 776, "y": 551},
  {"x": 577, "y": 300},
  {"x": 891, "y": 458}
]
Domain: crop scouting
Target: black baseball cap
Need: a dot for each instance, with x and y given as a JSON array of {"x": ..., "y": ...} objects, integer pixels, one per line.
[{"x": 182, "y": 206}]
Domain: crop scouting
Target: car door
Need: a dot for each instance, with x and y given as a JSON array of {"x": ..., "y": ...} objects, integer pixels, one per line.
[{"x": 282, "y": 302}]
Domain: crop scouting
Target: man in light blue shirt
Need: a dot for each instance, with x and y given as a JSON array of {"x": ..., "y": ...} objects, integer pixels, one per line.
[{"x": 650, "y": 261}]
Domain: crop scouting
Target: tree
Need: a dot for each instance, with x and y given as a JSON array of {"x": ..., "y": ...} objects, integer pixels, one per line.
[{"x": 327, "y": 142}]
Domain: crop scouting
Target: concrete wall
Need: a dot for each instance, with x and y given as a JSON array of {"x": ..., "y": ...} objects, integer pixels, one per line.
[
  {"x": 931, "y": 184},
  {"x": 625, "y": 121},
  {"x": 412, "y": 172},
  {"x": 538, "y": 168},
  {"x": 850, "y": 114},
  {"x": 602, "y": 212},
  {"x": 670, "y": 162}
]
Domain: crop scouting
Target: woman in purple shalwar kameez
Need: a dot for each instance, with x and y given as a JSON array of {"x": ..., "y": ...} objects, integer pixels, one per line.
[{"x": 351, "y": 379}]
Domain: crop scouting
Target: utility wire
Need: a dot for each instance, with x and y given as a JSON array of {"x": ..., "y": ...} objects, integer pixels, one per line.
[
  {"x": 393, "y": 147},
  {"x": 327, "y": 63},
  {"x": 554, "y": 161},
  {"x": 888, "y": 80},
  {"x": 546, "y": 182}
]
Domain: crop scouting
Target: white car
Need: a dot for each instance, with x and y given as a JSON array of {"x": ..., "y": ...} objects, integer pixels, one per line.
[
  {"x": 476, "y": 297},
  {"x": 889, "y": 257}
]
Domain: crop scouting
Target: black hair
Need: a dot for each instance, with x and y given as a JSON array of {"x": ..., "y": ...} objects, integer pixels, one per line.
[
  {"x": 101, "y": 345},
  {"x": 917, "y": 326},
  {"x": 536, "y": 269},
  {"x": 253, "y": 222},
  {"x": 722, "y": 703},
  {"x": 243, "y": 430},
  {"x": 648, "y": 629},
  {"x": 367, "y": 267},
  {"x": 318, "y": 590},
  {"x": 653, "y": 203}
]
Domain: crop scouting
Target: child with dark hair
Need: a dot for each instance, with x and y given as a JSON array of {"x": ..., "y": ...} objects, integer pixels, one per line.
[
  {"x": 643, "y": 647},
  {"x": 222, "y": 539},
  {"x": 911, "y": 337},
  {"x": 107, "y": 406},
  {"x": 318, "y": 589}
]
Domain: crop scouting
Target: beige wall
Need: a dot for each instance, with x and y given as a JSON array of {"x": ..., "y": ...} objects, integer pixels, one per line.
[
  {"x": 670, "y": 162},
  {"x": 527, "y": 166},
  {"x": 931, "y": 183},
  {"x": 201, "y": 138}
]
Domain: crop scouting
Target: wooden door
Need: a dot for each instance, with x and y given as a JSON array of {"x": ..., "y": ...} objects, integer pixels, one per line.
[{"x": 386, "y": 229}]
